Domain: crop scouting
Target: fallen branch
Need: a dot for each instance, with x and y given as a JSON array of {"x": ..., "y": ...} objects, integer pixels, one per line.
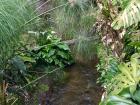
[{"x": 74, "y": 41}]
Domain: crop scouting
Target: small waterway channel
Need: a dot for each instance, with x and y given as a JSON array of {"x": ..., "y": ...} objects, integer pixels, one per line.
[{"x": 81, "y": 88}]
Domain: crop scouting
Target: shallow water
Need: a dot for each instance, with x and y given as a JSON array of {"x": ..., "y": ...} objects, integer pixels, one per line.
[{"x": 81, "y": 88}]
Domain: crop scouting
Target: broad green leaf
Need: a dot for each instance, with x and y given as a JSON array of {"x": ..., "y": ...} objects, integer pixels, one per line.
[
  {"x": 19, "y": 64},
  {"x": 28, "y": 59},
  {"x": 129, "y": 16},
  {"x": 117, "y": 100},
  {"x": 136, "y": 96},
  {"x": 63, "y": 46}
]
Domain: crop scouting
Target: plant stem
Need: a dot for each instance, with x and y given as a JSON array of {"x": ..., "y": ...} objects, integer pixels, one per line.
[
  {"x": 39, "y": 78},
  {"x": 45, "y": 13}
]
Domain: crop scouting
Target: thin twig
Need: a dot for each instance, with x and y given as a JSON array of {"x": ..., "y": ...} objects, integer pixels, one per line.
[
  {"x": 39, "y": 78},
  {"x": 14, "y": 101}
]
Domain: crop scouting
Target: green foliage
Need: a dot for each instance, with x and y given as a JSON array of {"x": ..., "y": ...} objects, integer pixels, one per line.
[
  {"x": 123, "y": 98},
  {"x": 108, "y": 70},
  {"x": 124, "y": 87},
  {"x": 129, "y": 16},
  {"x": 117, "y": 100},
  {"x": 85, "y": 47},
  {"x": 16, "y": 72},
  {"x": 131, "y": 45},
  {"x": 135, "y": 42},
  {"x": 53, "y": 51},
  {"x": 128, "y": 76},
  {"x": 74, "y": 18},
  {"x": 75, "y": 21},
  {"x": 121, "y": 3},
  {"x": 16, "y": 75},
  {"x": 48, "y": 50},
  {"x": 107, "y": 66},
  {"x": 13, "y": 15},
  {"x": 25, "y": 53}
]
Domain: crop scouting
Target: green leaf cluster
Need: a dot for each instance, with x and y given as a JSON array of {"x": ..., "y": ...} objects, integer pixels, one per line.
[
  {"x": 124, "y": 87},
  {"x": 129, "y": 76},
  {"x": 53, "y": 52},
  {"x": 13, "y": 16},
  {"x": 107, "y": 66},
  {"x": 130, "y": 15},
  {"x": 124, "y": 98}
]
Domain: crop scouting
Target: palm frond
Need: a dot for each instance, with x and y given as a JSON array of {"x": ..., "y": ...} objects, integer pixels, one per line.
[{"x": 129, "y": 16}]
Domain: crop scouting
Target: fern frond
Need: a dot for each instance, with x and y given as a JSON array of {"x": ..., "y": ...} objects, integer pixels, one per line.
[{"x": 129, "y": 16}]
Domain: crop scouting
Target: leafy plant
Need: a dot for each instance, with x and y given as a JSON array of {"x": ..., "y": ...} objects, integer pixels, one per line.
[
  {"x": 128, "y": 76},
  {"x": 125, "y": 97},
  {"x": 107, "y": 70},
  {"x": 124, "y": 87},
  {"x": 131, "y": 45},
  {"x": 107, "y": 66},
  {"x": 53, "y": 51},
  {"x": 25, "y": 54},
  {"x": 17, "y": 71},
  {"x": 120, "y": 15},
  {"x": 13, "y": 15},
  {"x": 128, "y": 16}
]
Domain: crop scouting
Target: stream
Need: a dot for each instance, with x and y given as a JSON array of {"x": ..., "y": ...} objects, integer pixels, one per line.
[{"x": 81, "y": 88}]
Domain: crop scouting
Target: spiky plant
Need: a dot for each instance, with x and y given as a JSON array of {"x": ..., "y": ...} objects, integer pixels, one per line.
[
  {"x": 68, "y": 21},
  {"x": 14, "y": 16},
  {"x": 75, "y": 20}
]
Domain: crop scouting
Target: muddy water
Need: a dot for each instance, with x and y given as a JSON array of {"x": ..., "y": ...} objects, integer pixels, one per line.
[{"x": 81, "y": 88}]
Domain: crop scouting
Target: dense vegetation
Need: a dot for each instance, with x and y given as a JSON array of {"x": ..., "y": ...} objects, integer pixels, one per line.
[{"x": 32, "y": 42}]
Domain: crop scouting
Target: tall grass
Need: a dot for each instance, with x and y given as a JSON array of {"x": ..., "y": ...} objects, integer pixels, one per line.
[
  {"x": 13, "y": 16},
  {"x": 75, "y": 20}
]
